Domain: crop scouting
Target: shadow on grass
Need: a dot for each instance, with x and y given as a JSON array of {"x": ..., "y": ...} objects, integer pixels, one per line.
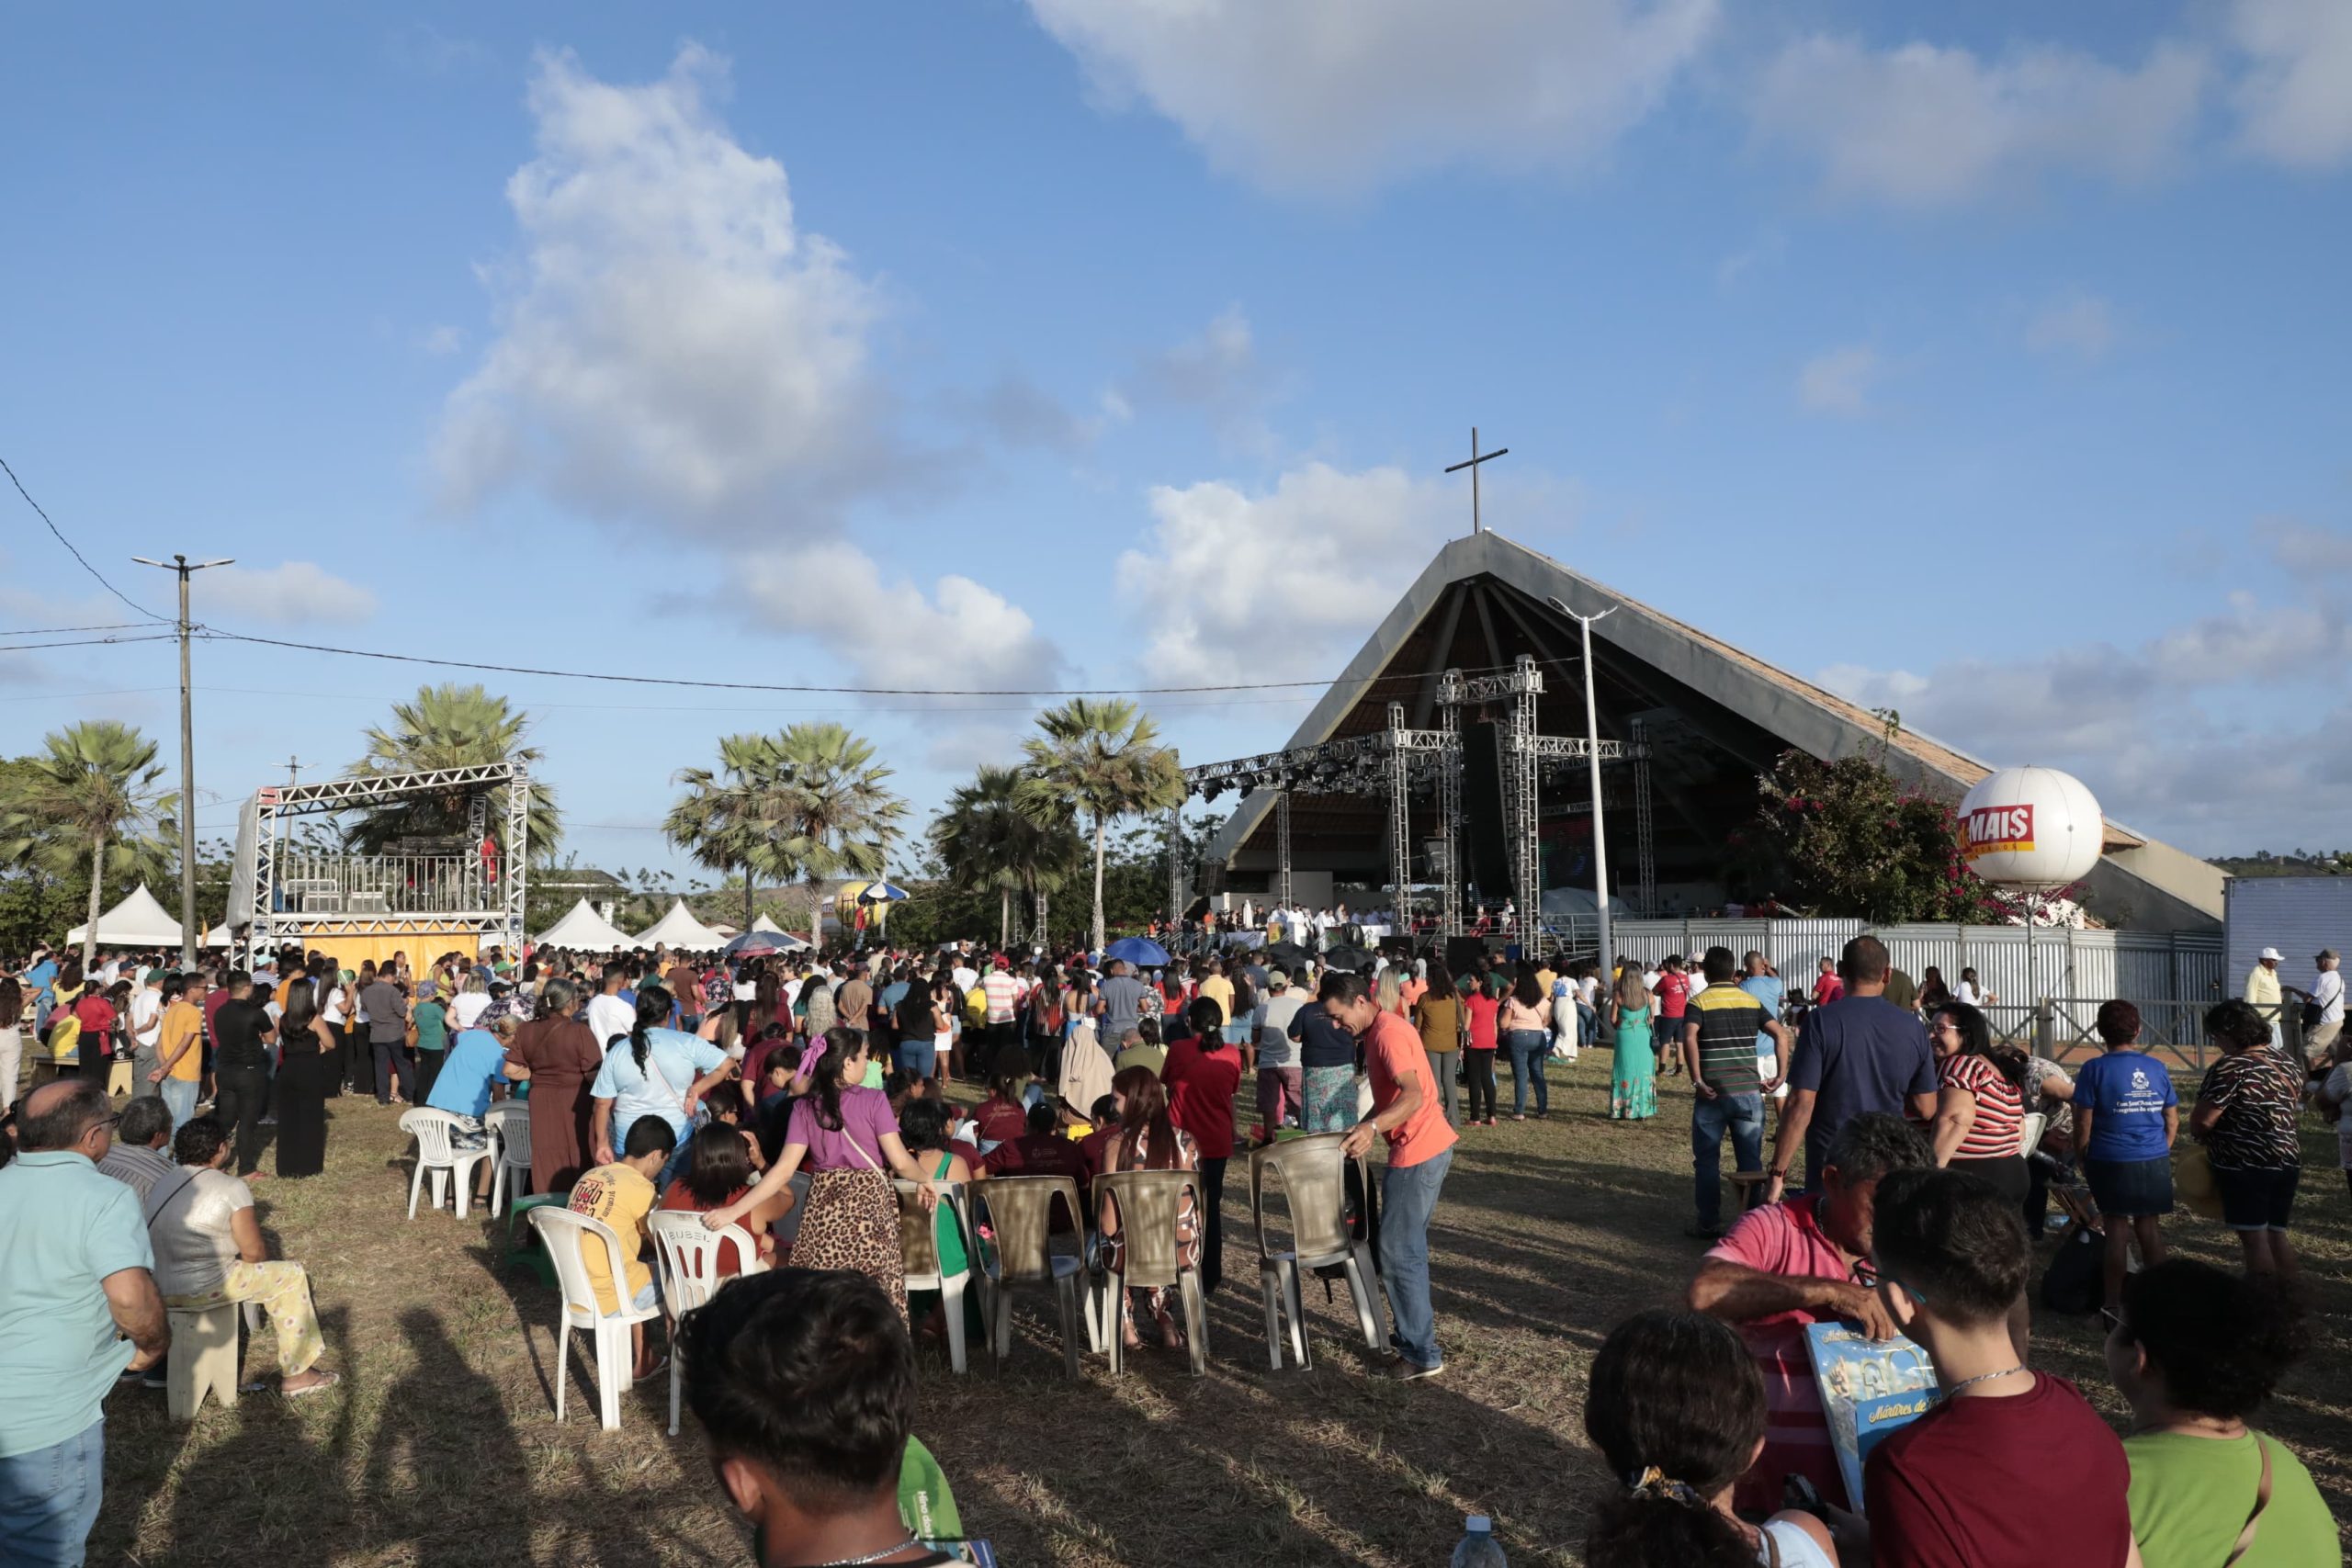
[{"x": 444, "y": 1461}]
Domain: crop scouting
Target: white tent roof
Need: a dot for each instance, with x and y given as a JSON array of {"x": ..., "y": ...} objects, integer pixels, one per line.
[
  {"x": 679, "y": 929},
  {"x": 137, "y": 921},
  {"x": 764, "y": 924},
  {"x": 587, "y": 930}
]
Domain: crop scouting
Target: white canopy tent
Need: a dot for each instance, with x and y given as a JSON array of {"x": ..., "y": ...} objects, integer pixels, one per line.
[
  {"x": 587, "y": 932},
  {"x": 137, "y": 921},
  {"x": 764, "y": 924},
  {"x": 680, "y": 930}
]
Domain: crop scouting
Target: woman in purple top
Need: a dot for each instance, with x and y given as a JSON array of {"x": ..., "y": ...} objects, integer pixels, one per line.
[{"x": 846, "y": 1135}]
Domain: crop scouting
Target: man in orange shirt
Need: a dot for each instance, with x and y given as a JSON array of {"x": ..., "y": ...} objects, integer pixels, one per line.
[{"x": 1407, "y": 1112}]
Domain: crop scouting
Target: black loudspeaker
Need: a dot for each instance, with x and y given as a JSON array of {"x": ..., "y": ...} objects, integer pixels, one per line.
[
  {"x": 1465, "y": 955},
  {"x": 1485, "y": 860}
]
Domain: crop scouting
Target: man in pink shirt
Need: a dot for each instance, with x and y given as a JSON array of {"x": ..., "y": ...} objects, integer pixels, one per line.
[
  {"x": 1407, "y": 1110},
  {"x": 1805, "y": 1260}
]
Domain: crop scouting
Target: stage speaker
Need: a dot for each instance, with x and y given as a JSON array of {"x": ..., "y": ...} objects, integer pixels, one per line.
[
  {"x": 1485, "y": 859},
  {"x": 1465, "y": 955}
]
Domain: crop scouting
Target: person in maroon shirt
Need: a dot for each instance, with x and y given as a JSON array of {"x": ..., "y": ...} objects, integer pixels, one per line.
[
  {"x": 1202, "y": 1075},
  {"x": 2013, "y": 1466}
]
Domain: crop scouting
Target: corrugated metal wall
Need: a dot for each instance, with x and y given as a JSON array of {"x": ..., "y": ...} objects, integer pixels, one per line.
[{"x": 2171, "y": 976}]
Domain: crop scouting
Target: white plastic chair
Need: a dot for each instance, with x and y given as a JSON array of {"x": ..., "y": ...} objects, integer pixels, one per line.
[
  {"x": 436, "y": 1153},
  {"x": 919, "y": 1259},
  {"x": 563, "y": 1234},
  {"x": 686, "y": 1252},
  {"x": 509, "y": 1121}
]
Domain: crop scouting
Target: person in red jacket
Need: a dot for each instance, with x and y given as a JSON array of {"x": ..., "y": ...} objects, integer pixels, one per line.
[{"x": 1202, "y": 1075}]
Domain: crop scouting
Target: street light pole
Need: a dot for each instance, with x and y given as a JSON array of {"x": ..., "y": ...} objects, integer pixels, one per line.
[
  {"x": 189, "y": 930},
  {"x": 1592, "y": 763}
]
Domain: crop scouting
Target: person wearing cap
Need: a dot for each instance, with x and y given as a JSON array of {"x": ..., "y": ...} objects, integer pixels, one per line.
[
  {"x": 2263, "y": 993},
  {"x": 1282, "y": 1084},
  {"x": 2327, "y": 995}
]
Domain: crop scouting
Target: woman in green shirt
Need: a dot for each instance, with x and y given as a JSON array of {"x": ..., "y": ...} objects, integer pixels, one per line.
[
  {"x": 429, "y": 1020},
  {"x": 2196, "y": 1351}
]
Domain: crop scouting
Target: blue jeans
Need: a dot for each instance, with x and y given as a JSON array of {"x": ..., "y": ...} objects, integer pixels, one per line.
[
  {"x": 1530, "y": 1049},
  {"x": 918, "y": 1058},
  {"x": 179, "y": 1099},
  {"x": 49, "y": 1500},
  {"x": 1407, "y": 1197},
  {"x": 1743, "y": 1116}
]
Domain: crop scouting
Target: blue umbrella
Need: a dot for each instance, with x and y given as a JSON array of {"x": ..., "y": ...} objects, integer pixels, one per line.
[
  {"x": 759, "y": 944},
  {"x": 1141, "y": 952},
  {"x": 881, "y": 893}
]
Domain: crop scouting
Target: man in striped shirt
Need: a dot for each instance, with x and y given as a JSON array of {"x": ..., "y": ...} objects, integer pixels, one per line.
[
  {"x": 1805, "y": 1260},
  {"x": 1003, "y": 994},
  {"x": 1717, "y": 1037}
]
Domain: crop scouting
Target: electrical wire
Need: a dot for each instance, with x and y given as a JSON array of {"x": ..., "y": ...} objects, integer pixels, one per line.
[
  {"x": 77, "y": 555},
  {"x": 89, "y": 642},
  {"x": 51, "y": 631}
]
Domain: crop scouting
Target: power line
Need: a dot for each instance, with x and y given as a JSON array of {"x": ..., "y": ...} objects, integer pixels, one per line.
[
  {"x": 87, "y": 642},
  {"x": 49, "y": 631},
  {"x": 819, "y": 690},
  {"x": 77, "y": 555}
]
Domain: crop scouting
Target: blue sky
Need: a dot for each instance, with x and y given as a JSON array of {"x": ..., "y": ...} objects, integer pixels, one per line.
[{"x": 1987, "y": 361}]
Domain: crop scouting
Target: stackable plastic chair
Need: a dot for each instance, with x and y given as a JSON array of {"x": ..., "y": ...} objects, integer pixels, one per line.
[
  {"x": 1020, "y": 1207},
  {"x": 1313, "y": 1174},
  {"x": 919, "y": 1257},
  {"x": 437, "y": 1154},
  {"x": 686, "y": 1252},
  {"x": 563, "y": 1234},
  {"x": 509, "y": 1121},
  {"x": 1148, "y": 1202}
]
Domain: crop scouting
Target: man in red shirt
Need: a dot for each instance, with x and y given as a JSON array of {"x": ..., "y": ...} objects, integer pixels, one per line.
[
  {"x": 1828, "y": 987},
  {"x": 2014, "y": 1465},
  {"x": 1673, "y": 1007},
  {"x": 1407, "y": 1112},
  {"x": 1807, "y": 1260},
  {"x": 1202, "y": 1075}
]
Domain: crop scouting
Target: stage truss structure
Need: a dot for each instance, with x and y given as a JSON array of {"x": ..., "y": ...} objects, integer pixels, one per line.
[
  {"x": 1396, "y": 763},
  {"x": 489, "y": 900}
]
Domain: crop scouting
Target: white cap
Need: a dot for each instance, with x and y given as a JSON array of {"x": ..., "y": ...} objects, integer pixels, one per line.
[{"x": 2272, "y": 955}]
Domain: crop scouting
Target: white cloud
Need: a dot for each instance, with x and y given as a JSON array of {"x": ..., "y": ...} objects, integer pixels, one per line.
[
  {"x": 2296, "y": 97},
  {"x": 442, "y": 341},
  {"x": 1924, "y": 125},
  {"x": 2081, "y": 324},
  {"x": 2303, "y": 549},
  {"x": 962, "y": 634},
  {"x": 1278, "y": 586},
  {"x": 1342, "y": 94},
  {"x": 292, "y": 593},
  {"x": 1839, "y": 381},
  {"x": 671, "y": 345}
]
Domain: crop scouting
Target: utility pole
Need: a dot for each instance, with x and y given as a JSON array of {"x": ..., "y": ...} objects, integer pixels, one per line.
[
  {"x": 1477, "y": 458},
  {"x": 293, "y": 771},
  {"x": 190, "y": 931},
  {"x": 1592, "y": 761}
]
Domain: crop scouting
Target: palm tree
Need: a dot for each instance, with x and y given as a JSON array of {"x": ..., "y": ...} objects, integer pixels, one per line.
[
  {"x": 989, "y": 842},
  {"x": 839, "y": 819},
  {"x": 450, "y": 727},
  {"x": 1098, "y": 759},
  {"x": 728, "y": 818},
  {"x": 93, "y": 793}
]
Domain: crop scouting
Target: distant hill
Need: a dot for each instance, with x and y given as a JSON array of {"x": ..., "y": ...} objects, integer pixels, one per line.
[{"x": 2301, "y": 863}]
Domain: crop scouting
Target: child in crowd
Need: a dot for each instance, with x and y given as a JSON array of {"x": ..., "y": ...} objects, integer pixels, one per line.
[{"x": 621, "y": 1194}]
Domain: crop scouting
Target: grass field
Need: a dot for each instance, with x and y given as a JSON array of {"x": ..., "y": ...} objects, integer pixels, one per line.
[{"x": 441, "y": 1446}]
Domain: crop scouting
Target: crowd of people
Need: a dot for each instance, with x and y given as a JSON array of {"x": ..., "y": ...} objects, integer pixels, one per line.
[{"x": 783, "y": 1094}]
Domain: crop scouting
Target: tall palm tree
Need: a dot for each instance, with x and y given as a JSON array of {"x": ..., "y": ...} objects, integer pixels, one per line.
[
  {"x": 450, "y": 726},
  {"x": 93, "y": 793},
  {"x": 729, "y": 818},
  {"x": 1098, "y": 759},
  {"x": 839, "y": 817},
  {"x": 989, "y": 842}
]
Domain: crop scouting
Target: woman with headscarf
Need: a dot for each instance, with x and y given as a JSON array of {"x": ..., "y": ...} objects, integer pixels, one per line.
[{"x": 559, "y": 1057}]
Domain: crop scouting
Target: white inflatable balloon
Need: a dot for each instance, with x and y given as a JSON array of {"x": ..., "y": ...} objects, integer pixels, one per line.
[{"x": 2030, "y": 828}]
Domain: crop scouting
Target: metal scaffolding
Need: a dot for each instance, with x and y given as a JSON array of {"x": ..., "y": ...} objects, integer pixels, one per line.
[{"x": 1644, "y": 834}]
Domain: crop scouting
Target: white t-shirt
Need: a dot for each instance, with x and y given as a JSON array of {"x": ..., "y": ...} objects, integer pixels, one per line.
[
  {"x": 194, "y": 1245},
  {"x": 747, "y": 991},
  {"x": 609, "y": 1016},
  {"x": 468, "y": 1006},
  {"x": 1965, "y": 992},
  {"x": 966, "y": 977},
  {"x": 330, "y": 1008},
  {"x": 147, "y": 1015},
  {"x": 2328, "y": 992}
]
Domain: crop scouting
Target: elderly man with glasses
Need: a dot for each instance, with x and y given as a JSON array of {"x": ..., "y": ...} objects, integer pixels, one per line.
[{"x": 78, "y": 1306}]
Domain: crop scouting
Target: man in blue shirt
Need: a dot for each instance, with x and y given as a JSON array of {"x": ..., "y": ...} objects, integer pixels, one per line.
[
  {"x": 1765, "y": 987},
  {"x": 79, "y": 1268},
  {"x": 42, "y": 981},
  {"x": 1860, "y": 1052}
]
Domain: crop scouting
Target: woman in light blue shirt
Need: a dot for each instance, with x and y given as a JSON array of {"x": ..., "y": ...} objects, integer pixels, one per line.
[{"x": 653, "y": 1071}]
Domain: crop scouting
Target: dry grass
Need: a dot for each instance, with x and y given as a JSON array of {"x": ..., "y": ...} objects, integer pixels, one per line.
[{"x": 441, "y": 1447}]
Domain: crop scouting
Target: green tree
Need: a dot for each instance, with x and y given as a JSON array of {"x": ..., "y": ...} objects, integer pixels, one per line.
[
  {"x": 1846, "y": 838},
  {"x": 92, "y": 797},
  {"x": 839, "y": 817},
  {"x": 729, "y": 819},
  {"x": 1098, "y": 761},
  {"x": 450, "y": 726},
  {"x": 988, "y": 843}
]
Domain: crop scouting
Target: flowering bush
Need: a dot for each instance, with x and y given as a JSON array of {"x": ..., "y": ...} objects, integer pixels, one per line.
[{"x": 1847, "y": 840}]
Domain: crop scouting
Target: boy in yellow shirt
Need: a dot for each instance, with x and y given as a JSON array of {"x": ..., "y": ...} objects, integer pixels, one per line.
[
  {"x": 620, "y": 1195},
  {"x": 179, "y": 1048}
]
